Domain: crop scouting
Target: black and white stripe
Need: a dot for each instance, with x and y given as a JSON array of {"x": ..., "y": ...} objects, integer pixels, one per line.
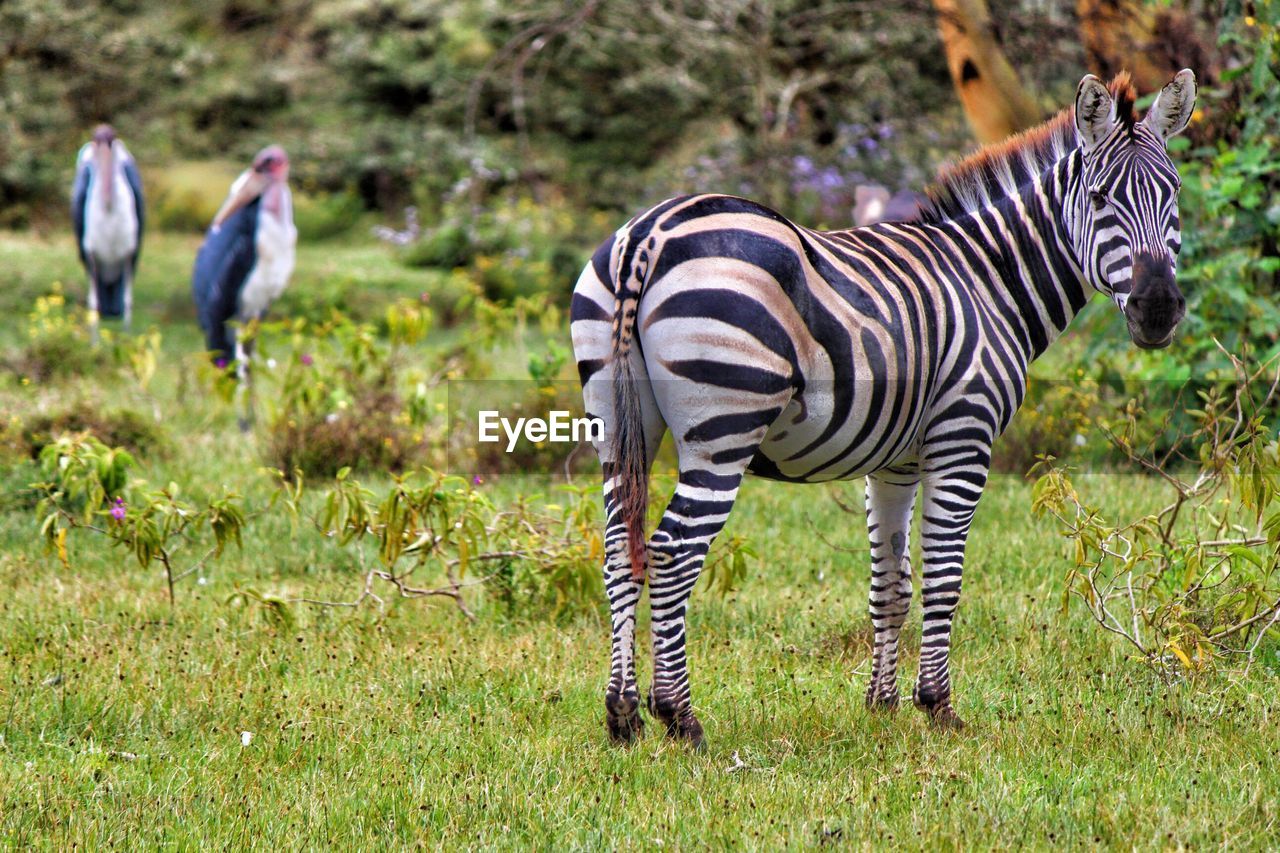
[{"x": 898, "y": 352}]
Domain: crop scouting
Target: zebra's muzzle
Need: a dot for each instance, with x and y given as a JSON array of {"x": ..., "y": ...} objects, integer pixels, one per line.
[{"x": 1155, "y": 305}]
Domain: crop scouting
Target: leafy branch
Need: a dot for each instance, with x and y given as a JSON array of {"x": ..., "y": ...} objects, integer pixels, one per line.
[
  {"x": 1197, "y": 580},
  {"x": 87, "y": 487}
]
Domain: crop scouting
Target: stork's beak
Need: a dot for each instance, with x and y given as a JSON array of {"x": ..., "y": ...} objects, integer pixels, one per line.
[
  {"x": 104, "y": 163},
  {"x": 246, "y": 188}
]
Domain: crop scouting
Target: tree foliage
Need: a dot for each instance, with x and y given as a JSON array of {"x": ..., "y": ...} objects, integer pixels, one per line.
[{"x": 615, "y": 102}]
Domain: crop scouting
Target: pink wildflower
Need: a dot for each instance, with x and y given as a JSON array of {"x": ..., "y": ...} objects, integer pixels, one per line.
[
  {"x": 117, "y": 510},
  {"x": 307, "y": 360}
]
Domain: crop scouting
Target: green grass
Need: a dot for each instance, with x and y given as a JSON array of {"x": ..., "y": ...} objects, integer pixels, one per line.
[{"x": 120, "y": 723}]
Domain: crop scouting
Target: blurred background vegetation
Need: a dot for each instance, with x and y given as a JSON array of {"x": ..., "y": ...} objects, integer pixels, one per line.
[
  {"x": 520, "y": 133},
  {"x": 606, "y": 104}
]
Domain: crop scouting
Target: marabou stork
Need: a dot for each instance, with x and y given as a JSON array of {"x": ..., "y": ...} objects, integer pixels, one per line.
[
  {"x": 246, "y": 259},
  {"x": 107, "y": 214}
]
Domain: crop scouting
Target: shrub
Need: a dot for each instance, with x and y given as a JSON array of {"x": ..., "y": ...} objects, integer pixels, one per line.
[
  {"x": 510, "y": 249},
  {"x": 185, "y": 196},
  {"x": 369, "y": 434},
  {"x": 339, "y": 395},
  {"x": 1057, "y": 418},
  {"x": 431, "y": 535},
  {"x": 125, "y": 428},
  {"x": 321, "y": 217},
  {"x": 57, "y": 343},
  {"x": 86, "y": 486},
  {"x": 1231, "y": 259},
  {"x": 1197, "y": 583}
]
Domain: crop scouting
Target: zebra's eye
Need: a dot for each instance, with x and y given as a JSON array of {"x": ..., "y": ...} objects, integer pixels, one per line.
[{"x": 1097, "y": 199}]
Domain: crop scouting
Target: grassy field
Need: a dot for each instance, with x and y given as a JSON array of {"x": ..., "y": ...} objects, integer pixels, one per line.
[{"x": 122, "y": 723}]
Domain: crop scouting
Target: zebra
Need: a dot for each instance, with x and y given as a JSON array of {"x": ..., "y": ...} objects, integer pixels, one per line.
[{"x": 897, "y": 352}]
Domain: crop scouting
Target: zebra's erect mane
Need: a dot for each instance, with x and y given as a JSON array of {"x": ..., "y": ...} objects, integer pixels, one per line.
[{"x": 997, "y": 171}]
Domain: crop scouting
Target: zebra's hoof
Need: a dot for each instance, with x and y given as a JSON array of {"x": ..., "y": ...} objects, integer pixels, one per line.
[
  {"x": 688, "y": 729},
  {"x": 622, "y": 717},
  {"x": 938, "y": 707},
  {"x": 681, "y": 724},
  {"x": 946, "y": 719},
  {"x": 941, "y": 715}
]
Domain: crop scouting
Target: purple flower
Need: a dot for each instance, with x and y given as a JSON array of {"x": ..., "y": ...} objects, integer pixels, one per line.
[
  {"x": 221, "y": 363},
  {"x": 477, "y": 480},
  {"x": 307, "y": 360},
  {"x": 117, "y": 509},
  {"x": 830, "y": 179}
]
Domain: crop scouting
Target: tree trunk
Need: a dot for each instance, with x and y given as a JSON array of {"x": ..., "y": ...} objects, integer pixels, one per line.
[
  {"x": 994, "y": 100},
  {"x": 1121, "y": 35},
  {"x": 1152, "y": 44}
]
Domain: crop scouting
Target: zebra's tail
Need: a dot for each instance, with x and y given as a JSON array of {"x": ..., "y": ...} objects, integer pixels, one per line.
[{"x": 631, "y": 469}]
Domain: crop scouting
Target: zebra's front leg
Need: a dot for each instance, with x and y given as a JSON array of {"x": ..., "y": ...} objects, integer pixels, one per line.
[
  {"x": 950, "y": 498},
  {"x": 622, "y": 697},
  {"x": 890, "y": 500},
  {"x": 694, "y": 517}
]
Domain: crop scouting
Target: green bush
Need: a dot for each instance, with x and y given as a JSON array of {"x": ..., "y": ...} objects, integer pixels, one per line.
[
  {"x": 370, "y": 434},
  {"x": 136, "y": 432},
  {"x": 340, "y": 396},
  {"x": 58, "y": 344},
  {"x": 1058, "y": 418},
  {"x": 185, "y": 196},
  {"x": 86, "y": 486},
  {"x": 324, "y": 216},
  {"x": 511, "y": 249},
  {"x": 1196, "y": 584}
]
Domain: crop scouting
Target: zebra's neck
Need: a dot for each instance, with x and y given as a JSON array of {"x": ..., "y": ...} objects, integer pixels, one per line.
[{"x": 1033, "y": 279}]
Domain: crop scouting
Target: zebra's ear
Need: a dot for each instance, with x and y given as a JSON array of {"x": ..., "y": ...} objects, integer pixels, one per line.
[
  {"x": 1174, "y": 105},
  {"x": 1095, "y": 112}
]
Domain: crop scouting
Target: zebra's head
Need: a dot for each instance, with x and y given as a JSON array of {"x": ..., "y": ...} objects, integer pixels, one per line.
[{"x": 1126, "y": 210}]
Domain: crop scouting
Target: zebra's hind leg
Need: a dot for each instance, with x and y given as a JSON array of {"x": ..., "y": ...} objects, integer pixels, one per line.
[
  {"x": 622, "y": 586},
  {"x": 890, "y": 500},
  {"x": 694, "y": 517},
  {"x": 622, "y": 696},
  {"x": 950, "y": 499}
]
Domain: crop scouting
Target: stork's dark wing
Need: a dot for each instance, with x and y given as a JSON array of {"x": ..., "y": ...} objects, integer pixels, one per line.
[
  {"x": 135, "y": 184},
  {"x": 79, "y": 200},
  {"x": 222, "y": 265}
]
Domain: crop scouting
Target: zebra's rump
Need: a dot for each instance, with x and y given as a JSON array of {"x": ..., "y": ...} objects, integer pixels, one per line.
[{"x": 756, "y": 333}]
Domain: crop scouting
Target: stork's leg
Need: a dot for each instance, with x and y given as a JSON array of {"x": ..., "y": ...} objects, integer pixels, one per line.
[
  {"x": 128, "y": 298},
  {"x": 244, "y": 384},
  {"x": 93, "y": 304}
]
